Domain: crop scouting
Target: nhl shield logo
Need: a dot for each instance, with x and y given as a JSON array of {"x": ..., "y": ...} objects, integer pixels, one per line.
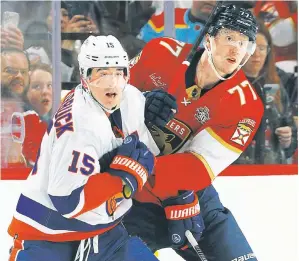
[{"x": 202, "y": 114}]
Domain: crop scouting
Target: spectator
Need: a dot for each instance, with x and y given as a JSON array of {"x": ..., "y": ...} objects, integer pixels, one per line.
[
  {"x": 78, "y": 21},
  {"x": 12, "y": 37},
  {"x": 280, "y": 17},
  {"x": 71, "y": 24},
  {"x": 30, "y": 126},
  {"x": 30, "y": 12},
  {"x": 39, "y": 93},
  {"x": 14, "y": 81},
  {"x": 276, "y": 139},
  {"x": 123, "y": 19},
  {"x": 14, "y": 72},
  {"x": 38, "y": 44},
  {"x": 188, "y": 22}
]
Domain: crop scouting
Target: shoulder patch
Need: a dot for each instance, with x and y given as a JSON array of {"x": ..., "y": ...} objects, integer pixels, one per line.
[{"x": 243, "y": 131}]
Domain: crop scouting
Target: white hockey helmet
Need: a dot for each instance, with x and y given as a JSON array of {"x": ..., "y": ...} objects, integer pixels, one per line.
[{"x": 102, "y": 52}]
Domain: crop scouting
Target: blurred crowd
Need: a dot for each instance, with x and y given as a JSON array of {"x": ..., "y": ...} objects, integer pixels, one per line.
[{"x": 26, "y": 65}]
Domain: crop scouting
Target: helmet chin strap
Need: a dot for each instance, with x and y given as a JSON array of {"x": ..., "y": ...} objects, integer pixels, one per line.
[
  {"x": 87, "y": 89},
  {"x": 211, "y": 62},
  {"x": 103, "y": 107}
]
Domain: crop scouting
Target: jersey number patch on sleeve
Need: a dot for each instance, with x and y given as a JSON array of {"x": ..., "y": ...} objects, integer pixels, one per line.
[
  {"x": 87, "y": 161},
  {"x": 175, "y": 50}
]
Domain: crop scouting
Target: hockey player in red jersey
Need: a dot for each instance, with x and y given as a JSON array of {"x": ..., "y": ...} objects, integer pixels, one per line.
[
  {"x": 223, "y": 120},
  {"x": 218, "y": 115}
]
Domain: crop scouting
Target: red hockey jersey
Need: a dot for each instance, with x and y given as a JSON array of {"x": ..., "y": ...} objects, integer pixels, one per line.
[
  {"x": 30, "y": 131},
  {"x": 208, "y": 133},
  {"x": 281, "y": 18}
]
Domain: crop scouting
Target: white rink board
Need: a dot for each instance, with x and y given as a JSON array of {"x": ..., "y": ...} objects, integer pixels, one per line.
[{"x": 266, "y": 209}]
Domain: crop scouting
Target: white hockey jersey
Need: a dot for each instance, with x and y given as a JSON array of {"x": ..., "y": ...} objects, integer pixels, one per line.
[{"x": 66, "y": 197}]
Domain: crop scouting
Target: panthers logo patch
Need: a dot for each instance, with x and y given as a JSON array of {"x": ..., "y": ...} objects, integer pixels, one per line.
[{"x": 172, "y": 137}]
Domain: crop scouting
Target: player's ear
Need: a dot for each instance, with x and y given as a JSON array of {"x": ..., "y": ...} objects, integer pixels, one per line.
[{"x": 208, "y": 41}]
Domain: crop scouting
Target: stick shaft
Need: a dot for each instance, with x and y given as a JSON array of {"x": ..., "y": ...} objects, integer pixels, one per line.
[{"x": 195, "y": 245}]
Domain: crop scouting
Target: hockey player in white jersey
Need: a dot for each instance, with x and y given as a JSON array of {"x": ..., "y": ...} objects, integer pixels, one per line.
[{"x": 66, "y": 199}]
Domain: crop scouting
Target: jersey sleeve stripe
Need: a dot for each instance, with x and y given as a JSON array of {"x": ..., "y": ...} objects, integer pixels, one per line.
[
  {"x": 213, "y": 150},
  {"x": 49, "y": 221},
  {"x": 206, "y": 164},
  {"x": 79, "y": 207},
  {"x": 224, "y": 143},
  {"x": 28, "y": 231},
  {"x": 71, "y": 204}
]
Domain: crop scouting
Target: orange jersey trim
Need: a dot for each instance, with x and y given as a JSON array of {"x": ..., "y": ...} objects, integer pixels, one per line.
[
  {"x": 17, "y": 247},
  {"x": 98, "y": 189}
]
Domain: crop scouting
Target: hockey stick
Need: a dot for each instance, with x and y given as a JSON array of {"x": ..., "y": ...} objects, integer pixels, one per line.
[
  {"x": 204, "y": 31},
  {"x": 195, "y": 245}
]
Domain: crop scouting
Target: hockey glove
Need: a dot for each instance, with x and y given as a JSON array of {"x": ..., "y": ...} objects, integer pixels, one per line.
[
  {"x": 160, "y": 107},
  {"x": 183, "y": 213},
  {"x": 106, "y": 160},
  {"x": 134, "y": 163}
]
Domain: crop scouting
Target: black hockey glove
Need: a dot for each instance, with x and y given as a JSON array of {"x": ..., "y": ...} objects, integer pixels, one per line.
[
  {"x": 160, "y": 107},
  {"x": 106, "y": 160}
]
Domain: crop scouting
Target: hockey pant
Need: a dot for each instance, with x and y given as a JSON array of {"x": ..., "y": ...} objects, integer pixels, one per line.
[
  {"x": 222, "y": 239},
  {"x": 113, "y": 245}
]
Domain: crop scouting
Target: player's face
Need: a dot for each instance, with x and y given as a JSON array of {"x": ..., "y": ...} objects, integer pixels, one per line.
[
  {"x": 257, "y": 61},
  {"x": 228, "y": 49},
  {"x": 14, "y": 72},
  {"x": 106, "y": 85},
  {"x": 40, "y": 91}
]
